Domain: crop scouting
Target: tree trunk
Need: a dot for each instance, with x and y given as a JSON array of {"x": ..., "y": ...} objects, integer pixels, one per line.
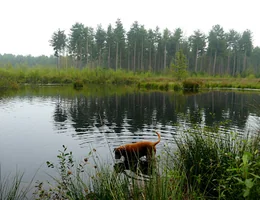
[
  {"x": 150, "y": 58},
  {"x": 196, "y": 60},
  {"x": 134, "y": 56},
  {"x": 228, "y": 65},
  {"x": 87, "y": 52},
  {"x": 214, "y": 63},
  {"x": 138, "y": 60},
  {"x": 116, "y": 55},
  {"x": 108, "y": 58},
  {"x": 80, "y": 59},
  {"x": 66, "y": 61},
  {"x": 164, "y": 62},
  {"x": 234, "y": 64},
  {"x": 99, "y": 58},
  {"x": 244, "y": 61},
  {"x": 120, "y": 59},
  {"x": 128, "y": 61},
  {"x": 91, "y": 58},
  {"x": 155, "y": 56},
  {"x": 57, "y": 62},
  {"x": 142, "y": 56}
]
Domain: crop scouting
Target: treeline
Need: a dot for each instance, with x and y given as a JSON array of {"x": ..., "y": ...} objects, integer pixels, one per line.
[
  {"x": 28, "y": 61},
  {"x": 139, "y": 49}
]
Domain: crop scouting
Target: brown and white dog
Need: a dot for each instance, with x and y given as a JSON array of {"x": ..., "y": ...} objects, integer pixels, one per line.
[{"x": 134, "y": 151}]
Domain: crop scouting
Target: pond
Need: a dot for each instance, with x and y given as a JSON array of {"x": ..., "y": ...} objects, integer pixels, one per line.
[{"x": 36, "y": 122}]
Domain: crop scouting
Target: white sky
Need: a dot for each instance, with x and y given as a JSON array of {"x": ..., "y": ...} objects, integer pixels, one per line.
[{"x": 27, "y": 25}]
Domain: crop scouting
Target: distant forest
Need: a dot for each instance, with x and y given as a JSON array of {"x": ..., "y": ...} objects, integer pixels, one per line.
[{"x": 138, "y": 49}]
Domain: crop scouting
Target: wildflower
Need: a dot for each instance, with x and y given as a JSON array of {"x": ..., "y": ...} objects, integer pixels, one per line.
[{"x": 69, "y": 172}]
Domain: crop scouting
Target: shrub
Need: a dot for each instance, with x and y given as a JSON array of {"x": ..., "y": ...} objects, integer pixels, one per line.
[
  {"x": 78, "y": 84},
  {"x": 190, "y": 85}
]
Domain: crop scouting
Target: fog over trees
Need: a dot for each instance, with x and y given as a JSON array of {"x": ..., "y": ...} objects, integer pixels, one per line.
[{"x": 139, "y": 49}]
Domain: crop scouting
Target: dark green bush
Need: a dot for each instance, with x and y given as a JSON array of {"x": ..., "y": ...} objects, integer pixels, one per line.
[
  {"x": 190, "y": 85},
  {"x": 78, "y": 84}
]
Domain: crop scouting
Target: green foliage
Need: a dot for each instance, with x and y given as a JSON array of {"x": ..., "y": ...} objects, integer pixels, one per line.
[
  {"x": 191, "y": 85},
  {"x": 103, "y": 183},
  {"x": 78, "y": 84},
  {"x": 220, "y": 166},
  {"x": 69, "y": 184},
  {"x": 153, "y": 86},
  {"x": 58, "y": 42},
  {"x": 14, "y": 77},
  {"x": 180, "y": 66}
]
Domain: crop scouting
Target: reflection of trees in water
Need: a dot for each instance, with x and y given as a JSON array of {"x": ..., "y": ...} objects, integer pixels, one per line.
[
  {"x": 141, "y": 109},
  {"x": 60, "y": 115},
  {"x": 222, "y": 106},
  {"x": 138, "y": 109}
]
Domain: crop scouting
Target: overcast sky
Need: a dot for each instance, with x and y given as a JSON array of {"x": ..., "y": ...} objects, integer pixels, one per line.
[{"x": 27, "y": 25}]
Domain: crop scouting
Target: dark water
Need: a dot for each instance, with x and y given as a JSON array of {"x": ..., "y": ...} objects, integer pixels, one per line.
[{"x": 35, "y": 123}]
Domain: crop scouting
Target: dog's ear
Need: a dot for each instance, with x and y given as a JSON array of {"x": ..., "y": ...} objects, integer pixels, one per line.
[{"x": 115, "y": 149}]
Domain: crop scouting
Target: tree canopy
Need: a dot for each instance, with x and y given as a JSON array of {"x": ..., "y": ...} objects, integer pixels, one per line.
[{"x": 139, "y": 49}]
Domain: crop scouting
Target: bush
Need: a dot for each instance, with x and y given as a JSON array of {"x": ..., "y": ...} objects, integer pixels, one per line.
[
  {"x": 190, "y": 85},
  {"x": 78, "y": 84}
]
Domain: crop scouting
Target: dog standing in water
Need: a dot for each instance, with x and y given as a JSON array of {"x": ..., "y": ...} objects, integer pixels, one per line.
[{"x": 134, "y": 151}]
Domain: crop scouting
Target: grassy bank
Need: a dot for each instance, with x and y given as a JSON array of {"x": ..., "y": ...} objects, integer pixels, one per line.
[
  {"x": 12, "y": 78},
  {"x": 203, "y": 166}
]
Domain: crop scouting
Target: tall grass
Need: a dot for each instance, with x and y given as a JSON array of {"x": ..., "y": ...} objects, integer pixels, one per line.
[
  {"x": 91, "y": 180},
  {"x": 11, "y": 77},
  {"x": 204, "y": 165},
  {"x": 11, "y": 187},
  {"x": 223, "y": 166}
]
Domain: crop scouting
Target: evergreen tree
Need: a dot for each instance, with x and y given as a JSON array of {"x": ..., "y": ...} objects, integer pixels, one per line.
[
  {"x": 180, "y": 65},
  {"x": 77, "y": 43},
  {"x": 119, "y": 33},
  {"x": 100, "y": 38},
  {"x": 232, "y": 38},
  {"x": 58, "y": 42},
  {"x": 198, "y": 45},
  {"x": 216, "y": 46}
]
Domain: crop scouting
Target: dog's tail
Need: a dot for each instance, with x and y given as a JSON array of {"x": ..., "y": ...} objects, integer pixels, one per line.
[{"x": 159, "y": 138}]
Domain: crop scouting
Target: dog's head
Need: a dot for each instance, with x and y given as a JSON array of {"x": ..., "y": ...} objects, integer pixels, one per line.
[{"x": 118, "y": 153}]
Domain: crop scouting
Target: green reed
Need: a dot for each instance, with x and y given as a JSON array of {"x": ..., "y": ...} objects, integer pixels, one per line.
[
  {"x": 12, "y": 77},
  {"x": 223, "y": 166},
  {"x": 11, "y": 187},
  {"x": 205, "y": 165}
]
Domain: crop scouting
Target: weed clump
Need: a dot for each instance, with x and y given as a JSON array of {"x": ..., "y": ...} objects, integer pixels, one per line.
[
  {"x": 190, "y": 85},
  {"x": 78, "y": 84}
]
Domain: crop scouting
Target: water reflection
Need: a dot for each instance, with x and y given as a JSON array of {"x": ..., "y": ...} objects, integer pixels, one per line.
[
  {"x": 121, "y": 116},
  {"x": 35, "y": 123}
]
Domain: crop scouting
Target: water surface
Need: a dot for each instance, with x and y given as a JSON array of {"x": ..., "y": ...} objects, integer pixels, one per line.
[{"x": 36, "y": 122}]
